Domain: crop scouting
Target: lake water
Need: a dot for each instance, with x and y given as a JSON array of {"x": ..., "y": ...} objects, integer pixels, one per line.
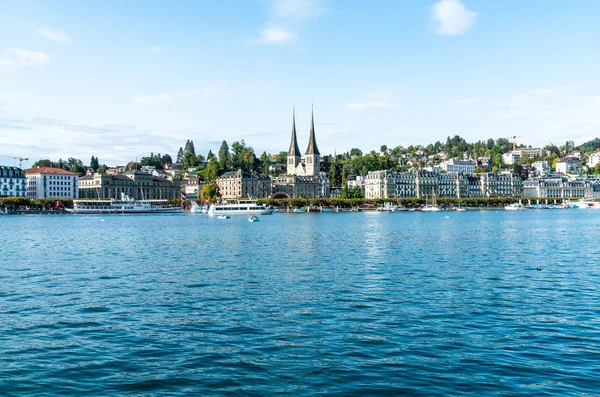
[{"x": 299, "y": 304}]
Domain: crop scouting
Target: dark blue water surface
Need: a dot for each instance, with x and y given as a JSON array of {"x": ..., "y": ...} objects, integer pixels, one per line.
[{"x": 299, "y": 304}]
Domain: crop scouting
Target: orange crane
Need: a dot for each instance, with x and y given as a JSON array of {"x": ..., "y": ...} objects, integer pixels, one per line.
[
  {"x": 514, "y": 138},
  {"x": 21, "y": 159}
]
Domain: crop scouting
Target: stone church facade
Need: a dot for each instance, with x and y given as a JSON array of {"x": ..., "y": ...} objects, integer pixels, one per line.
[{"x": 304, "y": 178}]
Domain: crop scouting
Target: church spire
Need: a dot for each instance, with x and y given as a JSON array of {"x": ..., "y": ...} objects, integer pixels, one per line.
[
  {"x": 312, "y": 142},
  {"x": 294, "y": 149}
]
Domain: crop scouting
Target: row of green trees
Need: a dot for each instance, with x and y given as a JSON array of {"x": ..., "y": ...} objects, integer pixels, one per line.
[{"x": 13, "y": 203}]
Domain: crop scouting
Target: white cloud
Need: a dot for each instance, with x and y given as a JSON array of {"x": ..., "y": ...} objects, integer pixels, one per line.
[
  {"x": 542, "y": 91},
  {"x": 154, "y": 99},
  {"x": 298, "y": 8},
  {"x": 275, "y": 35},
  {"x": 452, "y": 17},
  {"x": 54, "y": 35},
  {"x": 465, "y": 101},
  {"x": 156, "y": 49},
  {"x": 16, "y": 58}
]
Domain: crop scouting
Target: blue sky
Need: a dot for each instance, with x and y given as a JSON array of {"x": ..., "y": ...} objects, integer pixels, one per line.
[{"x": 120, "y": 79}]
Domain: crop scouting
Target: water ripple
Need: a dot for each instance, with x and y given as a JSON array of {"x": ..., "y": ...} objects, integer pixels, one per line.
[{"x": 339, "y": 304}]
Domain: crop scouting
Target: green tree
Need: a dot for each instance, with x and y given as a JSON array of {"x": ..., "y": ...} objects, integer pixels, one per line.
[
  {"x": 224, "y": 157},
  {"x": 42, "y": 163},
  {"x": 94, "y": 163},
  {"x": 210, "y": 155},
  {"x": 102, "y": 169},
  {"x": 357, "y": 192},
  {"x": 355, "y": 152},
  {"x": 180, "y": 155},
  {"x": 210, "y": 191},
  {"x": 152, "y": 161},
  {"x": 189, "y": 159},
  {"x": 212, "y": 170},
  {"x": 75, "y": 165},
  {"x": 265, "y": 162},
  {"x": 189, "y": 148},
  {"x": 382, "y": 149},
  {"x": 166, "y": 159},
  {"x": 335, "y": 177},
  {"x": 281, "y": 157}
]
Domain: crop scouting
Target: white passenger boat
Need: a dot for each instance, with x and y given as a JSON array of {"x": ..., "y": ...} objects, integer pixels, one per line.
[
  {"x": 126, "y": 205},
  {"x": 242, "y": 207}
]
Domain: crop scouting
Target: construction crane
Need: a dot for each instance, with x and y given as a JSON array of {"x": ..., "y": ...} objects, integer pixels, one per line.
[
  {"x": 514, "y": 138},
  {"x": 21, "y": 159}
]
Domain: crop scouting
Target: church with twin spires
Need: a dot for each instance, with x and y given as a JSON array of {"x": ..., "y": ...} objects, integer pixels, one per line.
[{"x": 304, "y": 177}]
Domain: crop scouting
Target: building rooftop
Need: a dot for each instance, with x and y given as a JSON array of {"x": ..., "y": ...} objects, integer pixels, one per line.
[{"x": 48, "y": 170}]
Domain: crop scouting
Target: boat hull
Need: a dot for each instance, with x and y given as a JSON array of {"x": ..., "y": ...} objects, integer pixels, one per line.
[
  {"x": 127, "y": 211},
  {"x": 224, "y": 211}
]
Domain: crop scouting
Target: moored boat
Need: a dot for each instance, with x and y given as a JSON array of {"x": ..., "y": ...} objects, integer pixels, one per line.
[
  {"x": 515, "y": 206},
  {"x": 242, "y": 207},
  {"x": 126, "y": 205},
  {"x": 195, "y": 208},
  {"x": 390, "y": 207}
]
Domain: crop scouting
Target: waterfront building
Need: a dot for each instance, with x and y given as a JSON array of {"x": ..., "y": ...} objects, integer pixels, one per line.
[
  {"x": 12, "y": 182},
  {"x": 462, "y": 166},
  {"x": 501, "y": 184},
  {"x": 303, "y": 178},
  {"x": 424, "y": 184},
  {"x": 241, "y": 184},
  {"x": 452, "y": 185},
  {"x": 559, "y": 187},
  {"x": 135, "y": 184},
  {"x": 387, "y": 184},
  {"x": 50, "y": 182}
]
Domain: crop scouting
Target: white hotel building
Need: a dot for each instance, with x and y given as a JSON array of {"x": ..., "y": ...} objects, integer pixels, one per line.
[
  {"x": 12, "y": 182},
  {"x": 48, "y": 182}
]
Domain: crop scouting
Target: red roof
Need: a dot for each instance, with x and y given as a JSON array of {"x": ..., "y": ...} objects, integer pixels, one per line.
[{"x": 48, "y": 170}]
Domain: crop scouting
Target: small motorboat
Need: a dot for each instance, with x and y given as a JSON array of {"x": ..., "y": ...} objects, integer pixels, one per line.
[
  {"x": 460, "y": 209},
  {"x": 223, "y": 217},
  {"x": 298, "y": 210},
  {"x": 253, "y": 218}
]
